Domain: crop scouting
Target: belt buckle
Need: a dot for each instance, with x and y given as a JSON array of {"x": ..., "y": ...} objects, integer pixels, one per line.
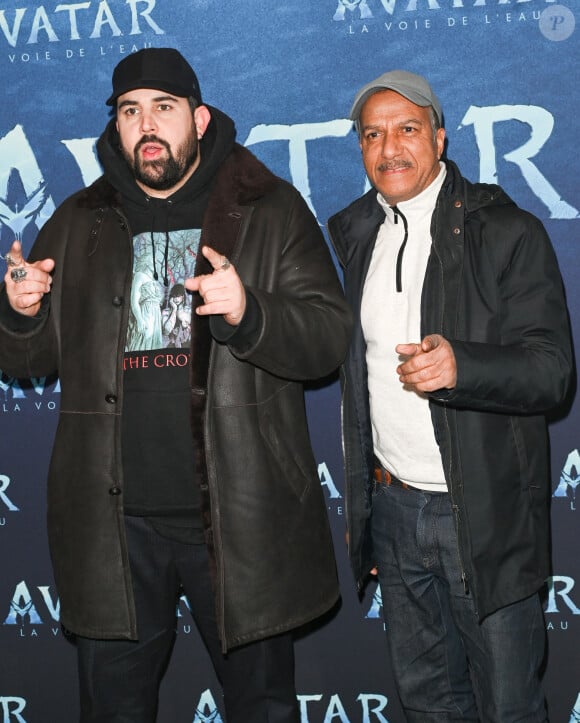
[{"x": 383, "y": 476}]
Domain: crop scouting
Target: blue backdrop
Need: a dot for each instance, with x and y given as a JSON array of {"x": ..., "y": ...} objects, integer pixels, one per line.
[{"x": 506, "y": 74}]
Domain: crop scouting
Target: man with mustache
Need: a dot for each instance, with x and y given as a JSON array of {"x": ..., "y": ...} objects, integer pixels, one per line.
[
  {"x": 460, "y": 347},
  {"x": 181, "y": 469}
]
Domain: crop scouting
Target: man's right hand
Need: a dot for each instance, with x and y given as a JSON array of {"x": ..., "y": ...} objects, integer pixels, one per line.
[{"x": 25, "y": 295}]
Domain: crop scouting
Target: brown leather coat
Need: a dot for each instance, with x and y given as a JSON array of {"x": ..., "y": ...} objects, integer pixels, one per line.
[{"x": 265, "y": 516}]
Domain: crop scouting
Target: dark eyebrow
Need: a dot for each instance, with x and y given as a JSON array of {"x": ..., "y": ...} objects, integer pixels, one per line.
[
  {"x": 369, "y": 126},
  {"x": 157, "y": 99},
  {"x": 160, "y": 98}
]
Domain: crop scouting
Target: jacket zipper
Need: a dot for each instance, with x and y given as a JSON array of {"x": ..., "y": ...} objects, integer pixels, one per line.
[
  {"x": 454, "y": 505},
  {"x": 359, "y": 581}
]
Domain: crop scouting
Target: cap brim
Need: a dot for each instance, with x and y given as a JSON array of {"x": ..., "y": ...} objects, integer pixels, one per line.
[
  {"x": 156, "y": 85},
  {"x": 415, "y": 98}
]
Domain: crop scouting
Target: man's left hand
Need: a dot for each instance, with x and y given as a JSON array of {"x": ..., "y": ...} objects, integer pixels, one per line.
[
  {"x": 222, "y": 290},
  {"x": 428, "y": 366}
]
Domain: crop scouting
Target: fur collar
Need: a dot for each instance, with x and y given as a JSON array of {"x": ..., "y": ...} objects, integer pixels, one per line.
[{"x": 242, "y": 179}]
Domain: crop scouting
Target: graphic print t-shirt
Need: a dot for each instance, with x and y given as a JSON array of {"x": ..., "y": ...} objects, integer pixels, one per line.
[{"x": 158, "y": 459}]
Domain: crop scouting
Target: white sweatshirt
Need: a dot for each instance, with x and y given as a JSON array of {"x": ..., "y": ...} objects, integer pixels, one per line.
[{"x": 403, "y": 436}]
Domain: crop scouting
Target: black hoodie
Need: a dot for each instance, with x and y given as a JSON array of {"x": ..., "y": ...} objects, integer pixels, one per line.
[{"x": 158, "y": 463}]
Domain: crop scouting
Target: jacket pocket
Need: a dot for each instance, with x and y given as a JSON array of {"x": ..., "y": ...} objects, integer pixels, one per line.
[
  {"x": 526, "y": 481},
  {"x": 286, "y": 456}
]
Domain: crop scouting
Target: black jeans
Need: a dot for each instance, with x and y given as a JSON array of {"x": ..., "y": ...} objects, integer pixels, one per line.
[{"x": 119, "y": 679}]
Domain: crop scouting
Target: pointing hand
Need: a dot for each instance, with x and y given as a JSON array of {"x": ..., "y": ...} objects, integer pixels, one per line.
[
  {"x": 26, "y": 283},
  {"x": 222, "y": 290}
]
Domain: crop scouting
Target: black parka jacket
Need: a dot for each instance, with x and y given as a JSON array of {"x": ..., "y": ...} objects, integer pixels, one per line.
[
  {"x": 492, "y": 288},
  {"x": 264, "y": 512}
]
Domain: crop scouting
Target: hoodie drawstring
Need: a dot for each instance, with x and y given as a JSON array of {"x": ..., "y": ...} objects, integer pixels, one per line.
[
  {"x": 165, "y": 251},
  {"x": 155, "y": 274},
  {"x": 399, "y": 271}
]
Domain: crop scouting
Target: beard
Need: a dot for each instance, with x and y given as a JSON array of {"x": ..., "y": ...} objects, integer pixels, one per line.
[{"x": 163, "y": 173}]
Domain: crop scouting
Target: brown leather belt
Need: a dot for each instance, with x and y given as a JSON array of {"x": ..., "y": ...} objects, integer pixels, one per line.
[{"x": 383, "y": 476}]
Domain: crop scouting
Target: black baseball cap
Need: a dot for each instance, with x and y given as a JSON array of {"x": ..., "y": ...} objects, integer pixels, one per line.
[{"x": 160, "y": 68}]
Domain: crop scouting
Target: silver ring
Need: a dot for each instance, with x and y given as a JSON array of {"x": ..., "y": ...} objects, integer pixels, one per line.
[
  {"x": 9, "y": 260},
  {"x": 225, "y": 264},
  {"x": 18, "y": 274}
]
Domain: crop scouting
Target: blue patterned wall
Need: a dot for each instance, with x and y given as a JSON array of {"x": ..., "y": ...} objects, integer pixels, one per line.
[{"x": 506, "y": 74}]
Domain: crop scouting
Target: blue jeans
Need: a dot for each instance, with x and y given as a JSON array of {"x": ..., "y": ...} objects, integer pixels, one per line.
[{"x": 447, "y": 665}]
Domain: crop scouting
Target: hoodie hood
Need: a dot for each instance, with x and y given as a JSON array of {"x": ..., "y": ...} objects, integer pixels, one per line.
[
  {"x": 181, "y": 210},
  {"x": 216, "y": 145}
]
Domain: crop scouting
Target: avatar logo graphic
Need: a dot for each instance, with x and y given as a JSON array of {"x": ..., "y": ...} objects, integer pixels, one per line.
[
  {"x": 25, "y": 204},
  {"x": 4, "y": 499},
  {"x": 371, "y": 706},
  {"x": 206, "y": 710},
  {"x": 23, "y": 195},
  {"x": 344, "y": 5},
  {"x": 326, "y": 481},
  {"x": 75, "y": 21},
  {"x": 18, "y": 218},
  {"x": 376, "y": 605},
  {"x": 361, "y": 8},
  {"x": 485, "y": 122},
  {"x": 575, "y": 714},
  {"x": 11, "y": 708},
  {"x": 569, "y": 479},
  {"x": 16, "y": 392},
  {"x": 559, "y": 589},
  {"x": 23, "y": 610}
]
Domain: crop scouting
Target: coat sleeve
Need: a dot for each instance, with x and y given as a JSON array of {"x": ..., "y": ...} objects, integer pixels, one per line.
[
  {"x": 305, "y": 322},
  {"x": 528, "y": 368}
]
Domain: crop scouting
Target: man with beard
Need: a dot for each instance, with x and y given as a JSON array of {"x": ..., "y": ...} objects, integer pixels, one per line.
[
  {"x": 446, "y": 388},
  {"x": 181, "y": 469}
]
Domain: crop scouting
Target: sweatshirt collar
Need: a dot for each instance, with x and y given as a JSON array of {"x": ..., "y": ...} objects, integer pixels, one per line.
[{"x": 418, "y": 205}]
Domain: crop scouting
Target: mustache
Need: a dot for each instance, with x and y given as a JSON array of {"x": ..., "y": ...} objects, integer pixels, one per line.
[
  {"x": 394, "y": 165},
  {"x": 151, "y": 139}
]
